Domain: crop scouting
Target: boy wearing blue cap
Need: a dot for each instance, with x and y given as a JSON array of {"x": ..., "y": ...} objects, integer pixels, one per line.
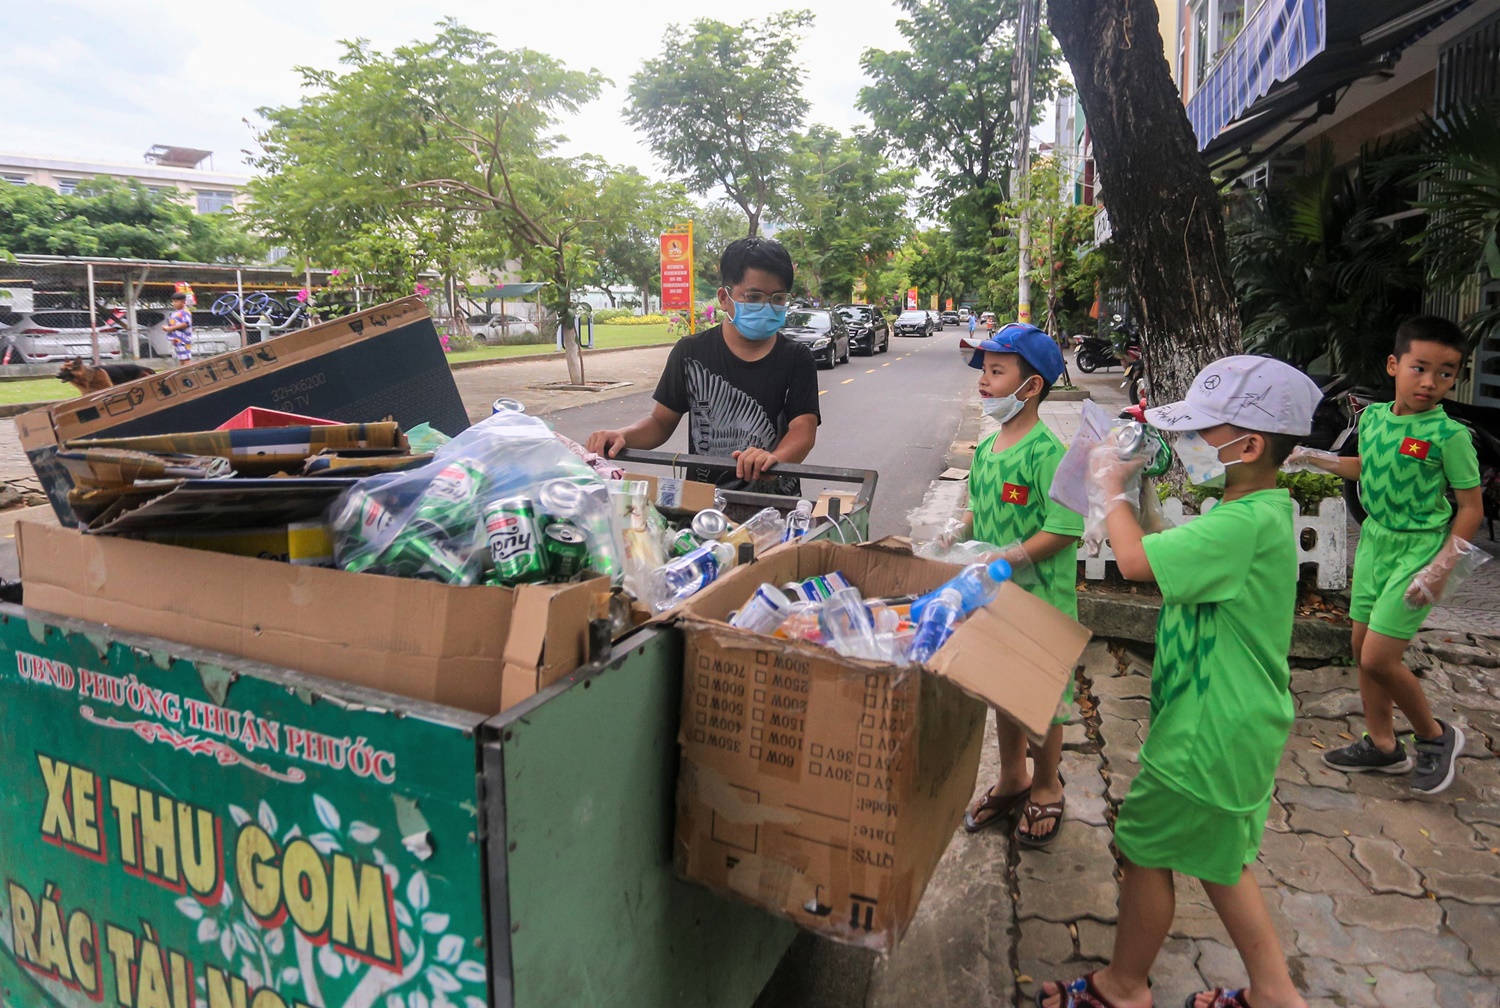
[{"x": 1009, "y": 502}]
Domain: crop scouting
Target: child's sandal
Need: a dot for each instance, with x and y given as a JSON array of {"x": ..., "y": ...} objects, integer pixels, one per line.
[{"x": 1080, "y": 993}]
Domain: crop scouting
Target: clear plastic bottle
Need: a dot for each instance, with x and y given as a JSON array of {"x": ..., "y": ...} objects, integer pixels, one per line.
[
  {"x": 976, "y": 585},
  {"x": 763, "y": 612},
  {"x": 936, "y": 624},
  {"x": 684, "y": 577},
  {"x": 848, "y": 626},
  {"x": 764, "y": 529},
  {"x": 798, "y": 521}
]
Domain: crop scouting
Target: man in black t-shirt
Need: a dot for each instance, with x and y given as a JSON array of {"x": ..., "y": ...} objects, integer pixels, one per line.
[{"x": 748, "y": 393}]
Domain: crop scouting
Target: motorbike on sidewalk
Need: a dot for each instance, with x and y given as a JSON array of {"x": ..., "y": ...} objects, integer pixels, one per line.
[{"x": 1093, "y": 352}]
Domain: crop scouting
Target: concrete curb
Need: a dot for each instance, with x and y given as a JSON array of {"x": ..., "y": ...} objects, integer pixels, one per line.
[{"x": 1133, "y": 618}]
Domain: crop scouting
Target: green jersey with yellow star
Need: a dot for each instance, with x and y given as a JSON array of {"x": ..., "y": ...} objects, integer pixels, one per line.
[
  {"x": 1407, "y": 463},
  {"x": 1008, "y": 493}
]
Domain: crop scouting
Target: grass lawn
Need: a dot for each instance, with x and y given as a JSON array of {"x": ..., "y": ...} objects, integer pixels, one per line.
[
  {"x": 47, "y": 389},
  {"x": 605, "y": 336}
]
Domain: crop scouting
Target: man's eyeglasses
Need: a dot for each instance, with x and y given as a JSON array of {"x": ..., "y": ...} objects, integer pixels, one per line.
[{"x": 757, "y": 298}]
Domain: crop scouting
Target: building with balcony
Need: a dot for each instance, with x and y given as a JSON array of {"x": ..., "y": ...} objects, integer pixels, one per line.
[{"x": 188, "y": 170}]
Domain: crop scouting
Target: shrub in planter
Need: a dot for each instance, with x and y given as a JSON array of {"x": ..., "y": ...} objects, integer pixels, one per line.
[
  {"x": 637, "y": 320},
  {"x": 604, "y": 315}
]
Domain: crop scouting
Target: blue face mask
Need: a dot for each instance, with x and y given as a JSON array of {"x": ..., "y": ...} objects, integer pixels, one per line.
[{"x": 758, "y": 321}]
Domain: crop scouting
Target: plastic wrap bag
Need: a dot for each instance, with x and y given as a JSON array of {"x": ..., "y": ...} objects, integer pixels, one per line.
[
  {"x": 1105, "y": 468},
  {"x": 445, "y": 521},
  {"x": 1437, "y": 582}
]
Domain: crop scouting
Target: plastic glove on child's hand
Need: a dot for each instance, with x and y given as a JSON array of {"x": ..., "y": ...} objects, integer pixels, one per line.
[
  {"x": 1303, "y": 459},
  {"x": 1450, "y": 568},
  {"x": 1111, "y": 477}
]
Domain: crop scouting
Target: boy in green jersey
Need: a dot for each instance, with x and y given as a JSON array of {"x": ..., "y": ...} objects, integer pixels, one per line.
[
  {"x": 1009, "y": 503},
  {"x": 1221, "y": 706},
  {"x": 1410, "y": 454}
]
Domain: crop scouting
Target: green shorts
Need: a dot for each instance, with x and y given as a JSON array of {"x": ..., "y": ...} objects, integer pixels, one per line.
[
  {"x": 1065, "y": 705},
  {"x": 1161, "y": 827},
  {"x": 1384, "y": 565}
]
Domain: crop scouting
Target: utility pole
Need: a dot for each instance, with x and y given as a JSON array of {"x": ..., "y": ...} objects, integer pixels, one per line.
[{"x": 1023, "y": 76}]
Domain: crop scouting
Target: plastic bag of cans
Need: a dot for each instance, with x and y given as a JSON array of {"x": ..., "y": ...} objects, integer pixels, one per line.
[{"x": 503, "y": 503}]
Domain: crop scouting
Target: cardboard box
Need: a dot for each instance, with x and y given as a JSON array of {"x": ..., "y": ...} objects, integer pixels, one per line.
[
  {"x": 480, "y": 648},
  {"x": 826, "y": 789},
  {"x": 675, "y": 495},
  {"x": 383, "y": 362},
  {"x": 309, "y": 542}
]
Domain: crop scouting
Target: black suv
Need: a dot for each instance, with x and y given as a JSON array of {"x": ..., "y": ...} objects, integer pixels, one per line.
[{"x": 869, "y": 332}]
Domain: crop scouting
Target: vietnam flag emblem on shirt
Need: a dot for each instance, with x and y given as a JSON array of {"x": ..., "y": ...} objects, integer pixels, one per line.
[
  {"x": 1010, "y": 493},
  {"x": 1414, "y": 448}
]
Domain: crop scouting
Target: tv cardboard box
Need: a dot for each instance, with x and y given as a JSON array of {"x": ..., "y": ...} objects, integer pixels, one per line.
[
  {"x": 478, "y": 648},
  {"x": 383, "y": 362},
  {"x": 825, "y": 789}
]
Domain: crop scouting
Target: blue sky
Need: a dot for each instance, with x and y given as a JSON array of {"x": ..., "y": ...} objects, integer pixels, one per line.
[{"x": 105, "y": 81}]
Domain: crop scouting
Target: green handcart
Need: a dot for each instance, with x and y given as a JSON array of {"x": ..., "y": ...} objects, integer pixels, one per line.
[{"x": 181, "y": 827}]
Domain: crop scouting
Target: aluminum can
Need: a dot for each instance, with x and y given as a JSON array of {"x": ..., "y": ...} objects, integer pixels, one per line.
[
  {"x": 710, "y": 523},
  {"x": 1137, "y": 440},
  {"x": 560, "y": 498},
  {"x": 837, "y": 580},
  {"x": 448, "y": 502},
  {"x": 506, "y": 405},
  {"x": 515, "y": 541},
  {"x": 567, "y": 550},
  {"x": 683, "y": 542},
  {"x": 362, "y": 519},
  {"x": 818, "y": 588},
  {"x": 763, "y": 612},
  {"x": 418, "y": 551}
]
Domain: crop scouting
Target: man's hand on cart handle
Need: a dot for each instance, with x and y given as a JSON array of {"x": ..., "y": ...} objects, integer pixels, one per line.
[
  {"x": 753, "y": 463},
  {"x": 606, "y": 442}
]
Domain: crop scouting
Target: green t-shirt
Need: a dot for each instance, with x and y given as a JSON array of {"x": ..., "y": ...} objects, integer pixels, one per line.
[
  {"x": 1407, "y": 463},
  {"x": 1008, "y": 495},
  {"x": 1221, "y": 705}
]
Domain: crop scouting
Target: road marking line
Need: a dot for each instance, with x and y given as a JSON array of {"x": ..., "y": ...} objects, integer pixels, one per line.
[
  {"x": 846, "y": 381},
  {"x": 822, "y": 391},
  {"x": 887, "y": 364},
  {"x": 871, "y": 371}
]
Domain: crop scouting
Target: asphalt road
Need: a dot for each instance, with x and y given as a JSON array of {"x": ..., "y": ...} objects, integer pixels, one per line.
[{"x": 895, "y": 413}]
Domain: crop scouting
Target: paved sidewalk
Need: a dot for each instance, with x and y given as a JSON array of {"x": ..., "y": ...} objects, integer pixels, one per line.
[{"x": 1381, "y": 899}]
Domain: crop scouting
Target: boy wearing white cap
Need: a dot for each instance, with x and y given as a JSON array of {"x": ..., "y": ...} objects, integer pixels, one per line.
[{"x": 1221, "y": 706}]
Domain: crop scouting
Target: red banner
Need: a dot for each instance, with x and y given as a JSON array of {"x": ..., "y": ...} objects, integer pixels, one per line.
[
  {"x": 911, "y": 298},
  {"x": 676, "y": 272}
]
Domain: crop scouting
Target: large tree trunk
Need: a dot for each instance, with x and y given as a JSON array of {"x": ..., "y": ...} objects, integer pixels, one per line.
[{"x": 1162, "y": 203}]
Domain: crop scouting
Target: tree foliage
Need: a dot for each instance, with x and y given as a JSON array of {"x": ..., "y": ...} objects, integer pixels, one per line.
[
  {"x": 718, "y": 109},
  {"x": 1317, "y": 270},
  {"x": 121, "y": 219},
  {"x": 945, "y": 103},
  {"x": 846, "y": 206},
  {"x": 633, "y": 211}
]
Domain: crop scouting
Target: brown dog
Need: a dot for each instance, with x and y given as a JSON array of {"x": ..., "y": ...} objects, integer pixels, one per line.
[{"x": 88, "y": 378}]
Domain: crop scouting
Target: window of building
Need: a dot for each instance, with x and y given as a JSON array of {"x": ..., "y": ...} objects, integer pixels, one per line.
[
  {"x": 1215, "y": 24},
  {"x": 67, "y": 186},
  {"x": 13, "y": 179},
  {"x": 213, "y": 201}
]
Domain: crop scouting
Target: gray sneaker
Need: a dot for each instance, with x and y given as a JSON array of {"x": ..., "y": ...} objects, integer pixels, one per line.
[
  {"x": 1363, "y": 757},
  {"x": 1437, "y": 761}
]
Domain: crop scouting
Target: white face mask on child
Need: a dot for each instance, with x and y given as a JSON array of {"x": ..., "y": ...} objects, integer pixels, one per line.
[
  {"x": 1201, "y": 460},
  {"x": 1003, "y": 408}
]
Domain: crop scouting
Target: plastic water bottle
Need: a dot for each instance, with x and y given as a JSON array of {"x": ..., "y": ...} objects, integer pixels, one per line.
[
  {"x": 764, "y": 529},
  {"x": 798, "y": 522},
  {"x": 684, "y": 577},
  {"x": 936, "y": 624},
  {"x": 848, "y": 626},
  {"x": 976, "y": 585}
]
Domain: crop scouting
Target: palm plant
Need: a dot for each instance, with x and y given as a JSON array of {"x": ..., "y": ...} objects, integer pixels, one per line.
[
  {"x": 1457, "y": 166},
  {"x": 1318, "y": 272}
]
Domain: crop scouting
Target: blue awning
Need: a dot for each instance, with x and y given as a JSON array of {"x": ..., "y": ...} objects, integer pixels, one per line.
[{"x": 1277, "y": 42}]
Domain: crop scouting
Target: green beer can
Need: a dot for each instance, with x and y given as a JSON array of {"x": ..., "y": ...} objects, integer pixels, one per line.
[
  {"x": 683, "y": 542},
  {"x": 567, "y": 550},
  {"x": 448, "y": 501},
  {"x": 418, "y": 551},
  {"x": 515, "y": 541}
]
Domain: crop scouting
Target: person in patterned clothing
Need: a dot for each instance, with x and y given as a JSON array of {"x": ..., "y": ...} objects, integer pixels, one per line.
[
  {"x": 1410, "y": 453},
  {"x": 1009, "y": 505},
  {"x": 1221, "y": 704}
]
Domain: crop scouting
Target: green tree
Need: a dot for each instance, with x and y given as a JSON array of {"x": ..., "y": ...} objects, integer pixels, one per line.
[
  {"x": 455, "y": 126},
  {"x": 633, "y": 212},
  {"x": 935, "y": 266},
  {"x": 946, "y": 102},
  {"x": 121, "y": 219},
  {"x": 716, "y": 223},
  {"x": 719, "y": 108},
  {"x": 847, "y": 203}
]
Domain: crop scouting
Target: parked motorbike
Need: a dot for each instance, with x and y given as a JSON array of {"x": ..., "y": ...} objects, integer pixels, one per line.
[{"x": 1093, "y": 352}]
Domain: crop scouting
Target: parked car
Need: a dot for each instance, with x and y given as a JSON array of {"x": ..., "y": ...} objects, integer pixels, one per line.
[
  {"x": 914, "y": 323},
  {"x": 950, "y": 318},
  {"x": 869, "y": 332},
  {"x": 212, "y": 334},
  {"x": 937, "y": 321},
  {"x": 820, "y": 330},
  {"x": 57, "y": 334},
  {"x": 963, "y": 314},
  {"x": 491, "y": 328}
]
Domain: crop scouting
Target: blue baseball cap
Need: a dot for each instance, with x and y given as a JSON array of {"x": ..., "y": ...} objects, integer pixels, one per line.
[{"x": 1035, "y": 347}]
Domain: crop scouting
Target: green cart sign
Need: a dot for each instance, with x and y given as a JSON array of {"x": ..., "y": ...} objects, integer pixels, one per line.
[{"x": 181, "y": 830}]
